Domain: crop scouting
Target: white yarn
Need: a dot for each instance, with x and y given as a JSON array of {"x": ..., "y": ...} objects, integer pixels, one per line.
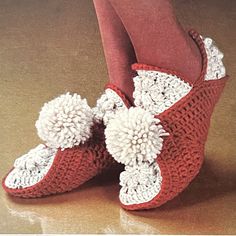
[
  {"x": 215, "y": 66},
  {"x": 140, "y": 183},
  {"x": 34, "y": 158},
  {"x": 30, "y": 168},
  {"x": 157, "y": 91},
  {"x": 134, "y": 136},
  {"x": 65, "y": 121},
  {"x": 108, "y": 105}
]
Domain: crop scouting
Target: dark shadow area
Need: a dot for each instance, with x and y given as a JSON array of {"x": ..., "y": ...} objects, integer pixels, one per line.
[{"x": 207, "y": 185}]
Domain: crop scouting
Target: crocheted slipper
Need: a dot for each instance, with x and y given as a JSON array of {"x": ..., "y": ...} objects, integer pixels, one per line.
[
  {"x": 161, "y": 140},
  {"x": 75, "y": 148}
]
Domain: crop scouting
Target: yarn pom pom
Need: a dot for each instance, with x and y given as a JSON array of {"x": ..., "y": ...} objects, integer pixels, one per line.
[
  {"x": 134, "y": 136},
  {"x": 65, "y": 121}
]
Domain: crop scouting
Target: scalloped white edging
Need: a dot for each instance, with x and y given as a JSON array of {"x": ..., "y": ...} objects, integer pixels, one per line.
[
  {"x": 108, "y": 105},
  {"x": 215, "y": 66},
  {"x": 30, "y": 168},
  {"x": 140, "y": 183}
]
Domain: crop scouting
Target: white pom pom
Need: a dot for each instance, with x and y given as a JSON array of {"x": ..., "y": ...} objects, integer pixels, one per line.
[
  {"x": 65, "y": 121},
  {"x": 134, "y": 136}
]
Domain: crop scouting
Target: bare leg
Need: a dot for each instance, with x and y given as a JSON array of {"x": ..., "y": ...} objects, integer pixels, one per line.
[
  {"x": 117, "y": 46},
  {"x": 157, "y": 36}
]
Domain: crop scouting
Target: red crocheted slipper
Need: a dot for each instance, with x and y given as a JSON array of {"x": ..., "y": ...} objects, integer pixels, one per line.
[
  {"x": 75, "y": 148},
  {"x": 161, "y": 140}
]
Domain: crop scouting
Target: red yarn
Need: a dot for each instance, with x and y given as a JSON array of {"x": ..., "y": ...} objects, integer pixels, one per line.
[
  {"x": 187, "y": 122},
  {"x": 72, "y": 167}
]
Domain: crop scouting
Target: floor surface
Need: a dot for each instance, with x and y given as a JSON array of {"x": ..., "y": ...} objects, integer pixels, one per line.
[{"x": 49, "y": 47}]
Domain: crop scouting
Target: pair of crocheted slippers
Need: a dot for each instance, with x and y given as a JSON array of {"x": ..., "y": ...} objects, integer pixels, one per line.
[{"x": 160, "y": 140}]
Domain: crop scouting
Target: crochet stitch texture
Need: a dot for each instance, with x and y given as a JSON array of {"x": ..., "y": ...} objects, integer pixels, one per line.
[{"x": 185, "y": 116}]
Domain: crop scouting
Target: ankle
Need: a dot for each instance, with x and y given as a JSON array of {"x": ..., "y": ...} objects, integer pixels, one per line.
[{"x": 193, "y": 63}]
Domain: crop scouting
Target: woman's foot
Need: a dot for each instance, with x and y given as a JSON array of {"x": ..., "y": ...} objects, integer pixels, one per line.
[{"x": 161, "y": 141}]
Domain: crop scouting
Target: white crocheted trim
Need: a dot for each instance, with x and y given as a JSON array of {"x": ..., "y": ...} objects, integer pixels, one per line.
[
  {"x": 107, "y": 106},
  {"x": 65, "y": 121},
  {"x": 215, "y": 66},
  {"x": 157, "y": 91},
  {"x": 30, "y": 168},
  {"x": 134, "y": 136},
  {"x": 140, "y": 183}
]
